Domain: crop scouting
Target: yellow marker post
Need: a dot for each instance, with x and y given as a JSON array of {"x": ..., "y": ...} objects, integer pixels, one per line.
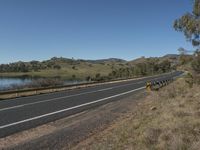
[{"x": 148, "y": 86}]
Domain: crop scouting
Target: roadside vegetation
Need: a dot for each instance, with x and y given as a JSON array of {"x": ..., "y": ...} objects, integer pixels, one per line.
[
  {"x": 87, "y": 69},
  {"x": 168, "y": 118},
  {"x": 39, "y": 83},
  {"x": 56, "y": 71}
]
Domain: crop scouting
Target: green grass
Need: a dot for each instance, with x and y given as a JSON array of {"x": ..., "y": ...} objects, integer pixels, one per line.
[
  {"x": 81, "y": 71},
  {"x": 68, "y": 68}
]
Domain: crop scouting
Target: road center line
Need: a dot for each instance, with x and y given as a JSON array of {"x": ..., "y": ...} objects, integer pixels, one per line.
[
  {"x": 53, "y": 99},
  {"x": 17, "y": 106},
  {"x": 67, "y": 109}
]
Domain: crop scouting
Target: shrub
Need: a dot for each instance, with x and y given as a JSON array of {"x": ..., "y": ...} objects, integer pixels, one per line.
[
  {"x": 88, "y": 78},
  {"x": 196, "y": 65},
  {"x": 73, "y": 67},
  {"x": 189, "y": 80},
  {"x": 73, "y": 76}
]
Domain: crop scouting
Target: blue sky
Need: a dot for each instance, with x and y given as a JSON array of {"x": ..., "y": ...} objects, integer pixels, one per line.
[{"x": 89, "y": 29}]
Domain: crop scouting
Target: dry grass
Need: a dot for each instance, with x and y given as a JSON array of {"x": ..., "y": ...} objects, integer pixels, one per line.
[
  {"x": 82, "y": 71},
  {"x": 168, "y": 119}
]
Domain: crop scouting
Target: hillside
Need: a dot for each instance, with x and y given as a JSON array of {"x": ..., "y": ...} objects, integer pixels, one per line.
[
  {"x": 62, "y": 67},
  {"x": 81, "y": 69}
]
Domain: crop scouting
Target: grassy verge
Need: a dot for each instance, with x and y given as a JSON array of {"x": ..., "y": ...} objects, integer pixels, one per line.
[{"x": 168, "y": 119}]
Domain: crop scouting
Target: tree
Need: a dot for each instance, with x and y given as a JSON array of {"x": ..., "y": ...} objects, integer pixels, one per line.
[
  {"x": 98, "y": 75},
  {"x": 182, "y": 51},
  {"x": 165, "y": 66},
  {"x": 88, "y": 78},
  {"x": 184, "y": 57},
  {"x": 189, "y": 24},
  {"x": 73, "y": 76},
  {"x": 196, "y": 62},
  {"x": 58, "y": 67},
  {"x": 142, "y": 69}
]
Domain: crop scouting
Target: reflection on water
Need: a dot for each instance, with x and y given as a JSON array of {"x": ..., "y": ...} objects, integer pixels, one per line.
[{"x": 8, "y": 82}]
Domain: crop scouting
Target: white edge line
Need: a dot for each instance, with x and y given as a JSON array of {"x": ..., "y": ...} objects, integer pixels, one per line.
[
  {"x": 67, "y": 109},
  {"x": 53, "y": 99}
]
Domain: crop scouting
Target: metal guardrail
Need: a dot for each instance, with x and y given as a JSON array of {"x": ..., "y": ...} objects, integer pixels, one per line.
[
  {"x": 50, "y": 89},
  {"x": 43, "y": 88},
  {"x": 63, "y": 86},
  {"x": 60, "y": 86},
  {"x": 156, "y": 85}
]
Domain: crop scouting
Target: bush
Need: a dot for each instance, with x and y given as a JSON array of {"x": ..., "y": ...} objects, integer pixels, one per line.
[
  {"x": 88, "y": 78},
  {"x": 73, "y": 76},
  {"x": 196, "y": 65},
  {"x": 189, "y": 80},
  {"x": 45, "y": 83}
]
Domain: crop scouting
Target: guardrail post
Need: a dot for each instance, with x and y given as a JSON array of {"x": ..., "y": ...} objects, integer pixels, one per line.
[
  {"x": 148, "y": 86},
  {"x": 156, "y": 85}
]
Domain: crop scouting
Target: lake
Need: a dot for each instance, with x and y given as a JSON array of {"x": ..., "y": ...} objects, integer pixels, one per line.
[{"x": 8, "y": 82}]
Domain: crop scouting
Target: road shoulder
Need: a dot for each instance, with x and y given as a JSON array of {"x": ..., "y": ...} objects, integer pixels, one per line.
[{"x": 67, "y": 132}]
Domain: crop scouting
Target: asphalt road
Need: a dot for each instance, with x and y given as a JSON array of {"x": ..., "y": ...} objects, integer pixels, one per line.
[{"x": 27, "y": 112}]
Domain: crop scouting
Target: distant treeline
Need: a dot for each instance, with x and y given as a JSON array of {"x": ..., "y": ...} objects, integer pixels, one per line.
[
  {"x": 150, "y": 67},
  {"x": 146, "y": 66},
  {"x": 34, "y": 65}
]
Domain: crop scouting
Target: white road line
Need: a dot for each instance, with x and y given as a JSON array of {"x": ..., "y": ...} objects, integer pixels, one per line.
[
  {"x": 67, "y": 109},
  {"x": 53, "y": 99},
  {"x": 140, "y": 82},
  {"x": 105, "y": 89},
  {"x": 17, "y": 106}
]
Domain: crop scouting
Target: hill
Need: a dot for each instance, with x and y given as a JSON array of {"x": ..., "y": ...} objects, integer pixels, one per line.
[
  {"x": 81, "y": 69},
  {"x": 62, "y": 67}
]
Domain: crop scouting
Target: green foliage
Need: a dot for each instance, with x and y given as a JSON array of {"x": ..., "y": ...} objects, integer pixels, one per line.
[
  {"x": 189, "y": 24},
  {"x": 165, "y": 66},
  {"x": 196, "y": 62},
  {"x": 73, "y": 76},
  {"x": 150, "y": 67},
  {"x": 74, "y": 67},
  {"x": 57, "y": 67},
  {"x": 86, "y": 69},
  {"x": 189, "y": 80},
  {"x": 196, "y": 8},
  {"x": 99, "y": 78},
  {"x": 98, "y": 75},
  {"x": 185, "y": 59},
  {"x": 88, "y": 78}
]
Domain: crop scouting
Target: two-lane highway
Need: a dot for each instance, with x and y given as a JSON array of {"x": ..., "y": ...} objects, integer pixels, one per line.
[{"x": 28, "y": 112}]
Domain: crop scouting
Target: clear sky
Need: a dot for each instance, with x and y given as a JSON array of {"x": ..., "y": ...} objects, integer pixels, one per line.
[{"x": 89, "y": 29}]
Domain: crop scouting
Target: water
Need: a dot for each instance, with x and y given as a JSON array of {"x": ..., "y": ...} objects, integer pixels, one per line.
[{"x": 6, "y": 83}]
